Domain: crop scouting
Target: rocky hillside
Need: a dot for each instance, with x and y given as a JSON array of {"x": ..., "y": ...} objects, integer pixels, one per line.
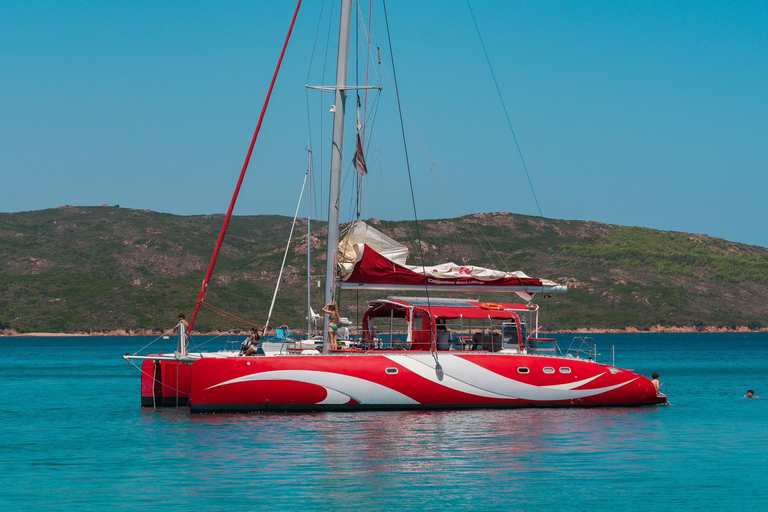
[{"x": 92, "y": 269}]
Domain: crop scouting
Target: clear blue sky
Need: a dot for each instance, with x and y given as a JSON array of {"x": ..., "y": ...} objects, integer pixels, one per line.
[{"x": 647, "y": 113}]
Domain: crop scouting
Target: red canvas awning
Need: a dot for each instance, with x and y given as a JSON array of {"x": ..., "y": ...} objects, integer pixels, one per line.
[{"x": 374, "y": 271}]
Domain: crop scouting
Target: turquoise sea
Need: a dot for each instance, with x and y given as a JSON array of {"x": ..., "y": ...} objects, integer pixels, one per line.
[{"x": 74, "y": 437}]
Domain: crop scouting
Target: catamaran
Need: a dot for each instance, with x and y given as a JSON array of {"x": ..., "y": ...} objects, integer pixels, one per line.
[{"x": 420, "y": 352}]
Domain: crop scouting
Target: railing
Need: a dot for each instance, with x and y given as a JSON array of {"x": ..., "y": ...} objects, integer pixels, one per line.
[
  {"x": 582, "y": 346},
  {"x": 542, "y": 346}
]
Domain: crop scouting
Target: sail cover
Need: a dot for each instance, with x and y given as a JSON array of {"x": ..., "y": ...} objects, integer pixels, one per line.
[{"x": 370, "y": 259}]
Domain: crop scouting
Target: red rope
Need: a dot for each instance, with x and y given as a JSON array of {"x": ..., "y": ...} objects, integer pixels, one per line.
[
  {"x": 208, "y": 274},
  {"x": 228, "y": 315}
]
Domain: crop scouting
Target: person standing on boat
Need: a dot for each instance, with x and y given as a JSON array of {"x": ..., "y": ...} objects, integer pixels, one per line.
[
  {"x": 333, "y": 322},
  {"x": 249, "y": 346},
  {"x": 183, "y": 327}
]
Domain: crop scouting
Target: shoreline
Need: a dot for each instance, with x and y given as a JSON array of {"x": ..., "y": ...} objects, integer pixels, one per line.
[{"x": 626, "y": 330}]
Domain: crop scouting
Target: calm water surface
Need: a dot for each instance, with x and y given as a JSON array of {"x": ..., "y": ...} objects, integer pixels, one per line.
[{"x": 73, "y": 437}]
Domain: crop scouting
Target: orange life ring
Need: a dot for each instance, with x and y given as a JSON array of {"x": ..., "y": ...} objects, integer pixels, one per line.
[{"x": 492, "y": 306}]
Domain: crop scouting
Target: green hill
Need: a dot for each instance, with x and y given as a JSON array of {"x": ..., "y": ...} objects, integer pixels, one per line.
[{"x": 90, "y": 269}]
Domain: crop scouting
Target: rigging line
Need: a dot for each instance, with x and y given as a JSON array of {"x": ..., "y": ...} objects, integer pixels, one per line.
[
  {"x": 433, "y": 170},
  {"x": 367, "y": 58},
  {"x": 314, "y": 45},
  {"x": 375, "y": 110},
  {"x": 199, "y": 345},
  {"x": 227, "y": 314},
  {"x": 360, "y": 24},
  {"x": 490, "y": 244},
  {"x": 439, "y": 183},
  {"x": 380, "y": 168},
  {"x": 285, "y": 255},
  {"x": 359, "y": 124},
  {"x": 514, "y": 137},
  {"x": 355, "y": 176},
  {"x": 306, "y": 90},
  {"x": 223, "y": 232},
  {"x": 408, "y": 166},
  {"x": 370, "y": 57},
  {"x": 432, "y": 165},
  {"x": 322, "y": 110},
  {"x": 150, "y": 343},
  {"x": 447, "y": 192}
]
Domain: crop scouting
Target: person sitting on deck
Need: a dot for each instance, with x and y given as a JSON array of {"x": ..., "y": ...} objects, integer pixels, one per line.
[{"x": 249, "y": 346}]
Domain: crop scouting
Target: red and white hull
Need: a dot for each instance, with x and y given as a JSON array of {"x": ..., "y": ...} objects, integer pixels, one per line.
[{"x": 410, "y": 380}]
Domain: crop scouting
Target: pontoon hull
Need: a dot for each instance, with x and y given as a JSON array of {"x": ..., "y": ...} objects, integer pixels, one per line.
[
  {"x": 411, "y": 380},
  {"x": 165, "y": 383}
]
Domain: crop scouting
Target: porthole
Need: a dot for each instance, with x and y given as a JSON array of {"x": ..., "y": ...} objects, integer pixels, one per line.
[
  {"x": 523, "y": 369},
  {"x": 565, "y": 369},
  {"x": 391, "y": 371},
  {"x": 549, "y": 369}
]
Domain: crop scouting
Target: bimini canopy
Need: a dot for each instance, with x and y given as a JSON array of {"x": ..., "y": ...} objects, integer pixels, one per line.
[
  {"x": 446, "y": 309},
  {"x": 369, "y": 259},
  {"x": 422, "y": 315}
]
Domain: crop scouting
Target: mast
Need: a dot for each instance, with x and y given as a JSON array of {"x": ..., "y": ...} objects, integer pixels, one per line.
[
  {"x": 336, "y": 161},
  {"x": 309, "y": 246}
]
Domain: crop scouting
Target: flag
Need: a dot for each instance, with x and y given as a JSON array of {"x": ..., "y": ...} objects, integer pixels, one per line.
[{"x": 359, "y": 158}]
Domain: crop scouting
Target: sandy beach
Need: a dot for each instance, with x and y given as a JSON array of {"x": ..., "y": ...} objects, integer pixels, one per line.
[{"x": 626, "y": 330}]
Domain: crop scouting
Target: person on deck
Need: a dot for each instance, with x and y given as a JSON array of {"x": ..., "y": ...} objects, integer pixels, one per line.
[
  {"x": 655, "y": 382},
  {"x": 182, "y": 323},
  {"x": 249, "y": 345},
  {"x": 333, "y": 323},
  {"x": 183, "y": 328}
]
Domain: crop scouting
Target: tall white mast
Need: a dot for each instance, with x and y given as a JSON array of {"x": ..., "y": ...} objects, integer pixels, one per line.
[
  {"x": 336, "y": 161},
  {"x": 309, "y": 245}
]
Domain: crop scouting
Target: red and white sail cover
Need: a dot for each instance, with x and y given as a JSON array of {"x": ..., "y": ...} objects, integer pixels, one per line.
[{"x": 368, "y": 258}]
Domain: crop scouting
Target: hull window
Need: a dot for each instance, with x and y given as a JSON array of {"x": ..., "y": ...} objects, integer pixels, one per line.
[
  {"x": 565, "y": 369},
  {"x": 391, "y": 371},
  {"x": 523, "y": 370},
  {"x": 549, "y": 369}
]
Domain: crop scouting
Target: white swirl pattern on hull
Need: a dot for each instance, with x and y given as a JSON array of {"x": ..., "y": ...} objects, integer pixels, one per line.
[
  {"x": 458, "y": 375},
  {"x": 364, "y": 391},
  {"x": 468, "y": 377}
]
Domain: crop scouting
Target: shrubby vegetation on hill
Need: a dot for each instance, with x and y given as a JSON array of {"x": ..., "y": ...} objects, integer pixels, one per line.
[{"x": 92, "y": 269}]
